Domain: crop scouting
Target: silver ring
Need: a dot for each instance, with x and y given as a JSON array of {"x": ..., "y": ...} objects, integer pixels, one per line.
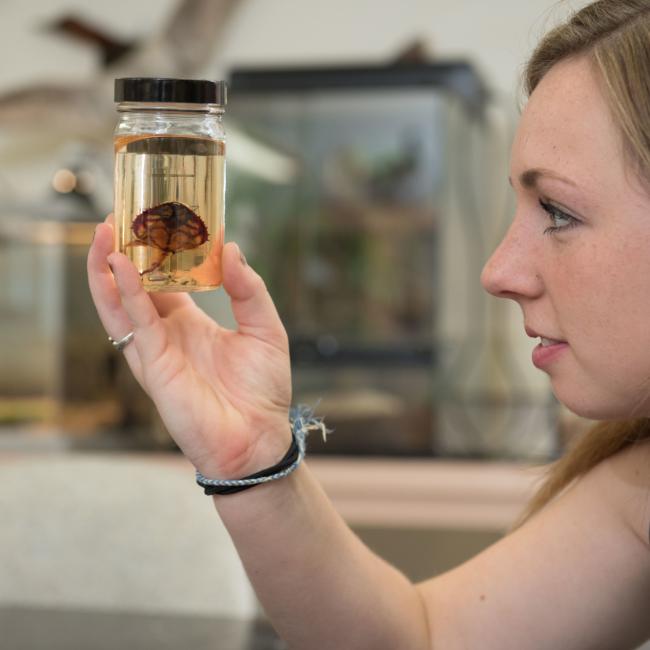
[{"x": 123, "y": 342}]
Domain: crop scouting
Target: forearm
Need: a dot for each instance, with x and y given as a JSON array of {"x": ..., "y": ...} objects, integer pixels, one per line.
[
  {"x": 320, "y": 585},
  {"x": 224, "y": 396}
]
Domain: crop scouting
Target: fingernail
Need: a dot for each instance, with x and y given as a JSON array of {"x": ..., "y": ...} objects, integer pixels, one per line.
[
  {"x": 242, "y": 258},
  {"x": 108, "y": 261},
  {"x": 94, "y": 233}
]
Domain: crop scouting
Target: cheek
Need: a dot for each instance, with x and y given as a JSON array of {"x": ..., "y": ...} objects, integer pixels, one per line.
[{"x": 604, "y": 310}]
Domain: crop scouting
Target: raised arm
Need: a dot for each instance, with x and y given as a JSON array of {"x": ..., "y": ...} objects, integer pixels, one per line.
[
  {"x": 576, "y": 576},
  {"x": 224, "y": 397}
]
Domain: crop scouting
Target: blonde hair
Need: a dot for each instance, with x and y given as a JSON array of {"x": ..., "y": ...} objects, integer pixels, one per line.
[{"x": 615, "y": 36}]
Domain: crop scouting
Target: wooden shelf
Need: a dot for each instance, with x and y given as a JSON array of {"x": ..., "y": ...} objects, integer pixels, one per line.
[{"x": 427, "y": 493}]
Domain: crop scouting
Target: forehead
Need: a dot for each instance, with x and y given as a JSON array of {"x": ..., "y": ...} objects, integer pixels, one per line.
[{"x": 567, "y": 127}]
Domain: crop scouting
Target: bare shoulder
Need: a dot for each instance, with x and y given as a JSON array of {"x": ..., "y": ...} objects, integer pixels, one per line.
[
  {"x": 625, "y": 479},
  {"x": 575, "y": 576}
]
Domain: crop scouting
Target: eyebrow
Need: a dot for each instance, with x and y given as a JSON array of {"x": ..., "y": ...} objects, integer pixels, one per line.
[{"x": 530, "y": 178}]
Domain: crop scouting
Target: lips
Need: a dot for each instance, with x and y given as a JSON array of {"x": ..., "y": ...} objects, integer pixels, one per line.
[
  {"x": 548, "y": 350},
  {"x": 545, "y": 355}
]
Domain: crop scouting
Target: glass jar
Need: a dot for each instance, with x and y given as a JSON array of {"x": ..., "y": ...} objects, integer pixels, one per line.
[{"x": 170, "y": 180}]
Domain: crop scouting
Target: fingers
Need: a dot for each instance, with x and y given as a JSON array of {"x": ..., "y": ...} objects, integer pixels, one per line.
[
  {"x": 251, "y": 303},
  {"x": 105, "y": 294},
  {"x": 150, "y": 335}
]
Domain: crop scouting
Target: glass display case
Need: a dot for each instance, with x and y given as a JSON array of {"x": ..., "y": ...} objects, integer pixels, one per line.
[
  {"x": 357, "y": 193},
  {"x": 365, "y": 197}
]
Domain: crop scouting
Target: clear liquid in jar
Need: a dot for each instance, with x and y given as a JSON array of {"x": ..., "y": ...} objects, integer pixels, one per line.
[{"x": 169, "y": 209}]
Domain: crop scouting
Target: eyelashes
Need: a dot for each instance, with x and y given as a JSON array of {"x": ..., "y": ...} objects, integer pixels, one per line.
[{"x": 560, "y": 219}]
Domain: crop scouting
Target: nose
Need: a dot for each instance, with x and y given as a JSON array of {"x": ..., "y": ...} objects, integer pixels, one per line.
[{"x": 513, "y": 269}]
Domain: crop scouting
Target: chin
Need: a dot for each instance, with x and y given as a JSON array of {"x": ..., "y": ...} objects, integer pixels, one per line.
[{"x": 601, "y": 407}]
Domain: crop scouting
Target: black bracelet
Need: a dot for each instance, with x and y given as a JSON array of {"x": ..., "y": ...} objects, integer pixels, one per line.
[
  {"x": 302, "y": 421},
  {"x": 237, "y": 485}
]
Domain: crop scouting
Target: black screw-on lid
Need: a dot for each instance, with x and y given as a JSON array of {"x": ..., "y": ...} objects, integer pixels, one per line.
[{"x": 182, "y": 91}]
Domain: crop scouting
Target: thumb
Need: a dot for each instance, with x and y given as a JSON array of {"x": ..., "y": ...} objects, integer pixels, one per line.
[{"x": 252, "y": 305}]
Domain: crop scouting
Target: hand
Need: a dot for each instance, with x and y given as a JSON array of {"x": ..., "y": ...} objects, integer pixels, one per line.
[{"x": 223, "y": 395}]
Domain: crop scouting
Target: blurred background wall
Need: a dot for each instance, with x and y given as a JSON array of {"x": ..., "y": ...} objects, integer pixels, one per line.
[
  {"x": 49, "y": 68},
  {"x": 497, "y": 35},
  {"x": 48, "y": 255}
]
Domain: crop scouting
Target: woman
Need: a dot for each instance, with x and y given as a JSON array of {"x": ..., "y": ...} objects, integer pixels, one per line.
[{"x": 576, "y": 572}]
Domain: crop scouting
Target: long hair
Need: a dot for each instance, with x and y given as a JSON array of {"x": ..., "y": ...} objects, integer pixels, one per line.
[{"x": 615, "y": 36}]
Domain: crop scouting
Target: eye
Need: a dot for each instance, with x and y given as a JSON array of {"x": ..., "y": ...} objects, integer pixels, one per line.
[{"x": 560, "y": 219}]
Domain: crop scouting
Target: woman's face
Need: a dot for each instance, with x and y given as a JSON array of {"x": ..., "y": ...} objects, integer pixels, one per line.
[{"x": 577, "y": 256}]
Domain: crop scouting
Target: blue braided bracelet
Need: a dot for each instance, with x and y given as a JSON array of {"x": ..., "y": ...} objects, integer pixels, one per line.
[{"x": 302, "y": 422}]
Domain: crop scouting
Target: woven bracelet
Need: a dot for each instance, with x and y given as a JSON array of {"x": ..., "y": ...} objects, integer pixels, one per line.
[{"x": 302, "y": 422}]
